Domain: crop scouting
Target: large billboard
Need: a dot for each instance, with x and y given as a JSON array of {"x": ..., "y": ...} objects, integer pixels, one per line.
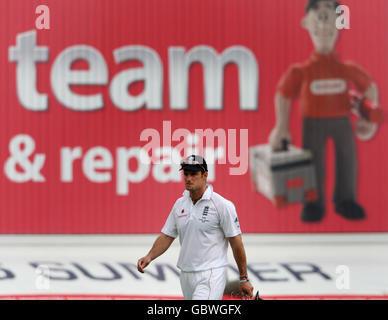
[
  {"x": 284, "y": 267},
  {"x": 101, "y": 99}
]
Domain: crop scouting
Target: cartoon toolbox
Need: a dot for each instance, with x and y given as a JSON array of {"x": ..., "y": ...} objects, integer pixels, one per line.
[{"x": 285, "y": 176}]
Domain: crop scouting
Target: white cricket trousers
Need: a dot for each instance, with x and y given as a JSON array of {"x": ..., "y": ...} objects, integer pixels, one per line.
[{"x": 204, "y": 285}]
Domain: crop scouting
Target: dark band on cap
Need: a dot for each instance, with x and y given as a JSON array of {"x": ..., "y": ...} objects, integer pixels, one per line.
[{"x": 194, "y": 163}]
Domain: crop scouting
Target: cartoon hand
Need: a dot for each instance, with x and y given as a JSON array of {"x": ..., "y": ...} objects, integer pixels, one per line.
[
  {"x": 277, "y": 136},
  {"x": 365, "y": 130}
]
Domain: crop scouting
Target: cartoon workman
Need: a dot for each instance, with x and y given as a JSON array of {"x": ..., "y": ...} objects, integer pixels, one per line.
[{"x": 322, "y": 84}]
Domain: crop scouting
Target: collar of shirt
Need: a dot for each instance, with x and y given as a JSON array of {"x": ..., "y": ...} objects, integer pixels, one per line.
[
  {"x": 206, "y": 195},
  {"x": 316, "y": 56}
]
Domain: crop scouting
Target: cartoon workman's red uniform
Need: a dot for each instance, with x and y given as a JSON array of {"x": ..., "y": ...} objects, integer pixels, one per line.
[{"x": 322, "y": 84}]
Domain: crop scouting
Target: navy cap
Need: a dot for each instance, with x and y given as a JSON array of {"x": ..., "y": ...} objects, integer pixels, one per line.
[
  {"x": 312, "y": 3},
  {"x": 194, "y": 163}
]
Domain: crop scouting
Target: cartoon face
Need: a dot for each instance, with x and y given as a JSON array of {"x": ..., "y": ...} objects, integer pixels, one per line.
[{"x": 320, "y": 21}]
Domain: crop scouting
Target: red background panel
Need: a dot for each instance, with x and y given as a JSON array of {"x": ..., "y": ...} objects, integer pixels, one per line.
[{"x": 271, "y": 29}]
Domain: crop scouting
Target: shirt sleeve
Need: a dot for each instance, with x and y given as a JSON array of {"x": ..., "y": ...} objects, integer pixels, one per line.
[
  {"x": 229, "y": 221},
  {"x": 170, "y": 228},
  {"x": 360, "y": 78},
  {"x": 290, "y": 83}
]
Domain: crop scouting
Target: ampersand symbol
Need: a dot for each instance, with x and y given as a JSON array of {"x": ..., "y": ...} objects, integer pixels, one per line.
[{"x": 31, "y": 170}]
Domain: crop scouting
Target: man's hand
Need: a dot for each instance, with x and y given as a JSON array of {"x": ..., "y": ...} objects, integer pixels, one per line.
[
  {"x": 143, "y": 262},
  {"x": 246, "y": 289},
  {"x": 161, "y": 244},
  {"x": 277, "y": 136}
]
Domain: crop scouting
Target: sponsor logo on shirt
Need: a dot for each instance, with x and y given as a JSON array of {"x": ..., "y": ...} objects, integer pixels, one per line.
[
  {"x": 182, "y": 214},
  {"x": 328, "y": 86}
]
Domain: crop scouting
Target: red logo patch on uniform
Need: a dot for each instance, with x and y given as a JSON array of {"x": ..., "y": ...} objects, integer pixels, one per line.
[{"x": 182, "y": 215}]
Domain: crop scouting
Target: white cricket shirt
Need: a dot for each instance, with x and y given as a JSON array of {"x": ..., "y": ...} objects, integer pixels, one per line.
[{"x": 202, "y": 229}]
